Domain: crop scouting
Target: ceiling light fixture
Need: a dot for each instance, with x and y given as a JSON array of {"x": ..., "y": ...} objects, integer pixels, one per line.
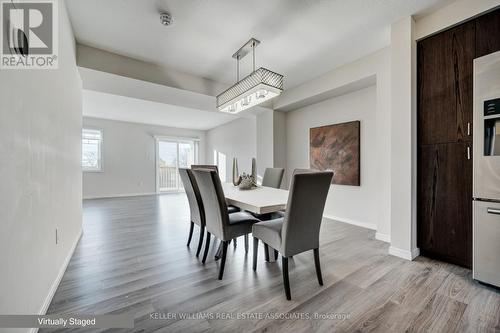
[{"x": 259, "y": 86}]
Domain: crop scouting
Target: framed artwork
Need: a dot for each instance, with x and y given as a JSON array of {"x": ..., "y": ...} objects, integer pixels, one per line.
[{"x": 337, "y": 148}]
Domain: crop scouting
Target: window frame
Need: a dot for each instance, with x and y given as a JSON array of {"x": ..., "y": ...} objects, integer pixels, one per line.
[
  {"x": 196, "y": 150},
  {"x": 100, "y": 161}
]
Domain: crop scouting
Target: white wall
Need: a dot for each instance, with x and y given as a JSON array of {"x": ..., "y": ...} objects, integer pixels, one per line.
[
  {"x": 279, "y": 143},
  {"x": 454, "y": 13},
  {"x": 235, "y": 139},
  {"x": 40, "y": 145},
  {"x": 265, "y": 142},
  {"x": 101, "y": 60},
  {"x": 403, "y": 146},
  {"x": 374, "y": 68},
  {"x": 353, "y": 204},
  {"x": 129, "y": 157}
]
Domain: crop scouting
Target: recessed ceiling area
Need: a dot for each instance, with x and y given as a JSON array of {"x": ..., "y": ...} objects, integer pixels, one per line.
[
  {"x": 115, "y": 107},
  {"x": 301, "y": 39}
]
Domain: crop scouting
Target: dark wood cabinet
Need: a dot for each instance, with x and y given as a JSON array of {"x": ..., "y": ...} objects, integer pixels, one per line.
[
  {"x": 444, "y": 114},
  {"x": 445, "y": 202},
  {"x": 487, "y": 33},
  {"x": 445, "y": 86}
]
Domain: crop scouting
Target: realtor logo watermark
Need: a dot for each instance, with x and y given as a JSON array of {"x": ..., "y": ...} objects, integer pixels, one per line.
[{"x": 29, "y": 35}]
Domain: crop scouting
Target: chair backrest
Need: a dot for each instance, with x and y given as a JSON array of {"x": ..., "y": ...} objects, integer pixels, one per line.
[
  {"x": 304, "y": 212},
  {"x": 214, "y": 202},
  {"x": 194, "y": 197},
  {"x": 272, "y": 177},
  {"x": 205, "y": 166}
]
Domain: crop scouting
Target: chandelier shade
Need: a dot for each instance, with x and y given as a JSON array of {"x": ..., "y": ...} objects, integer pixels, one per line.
[{"x": 258, "y": 87}]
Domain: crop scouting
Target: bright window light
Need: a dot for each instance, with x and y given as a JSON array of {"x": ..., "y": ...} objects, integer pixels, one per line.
[{"x": 91, "y": 150}]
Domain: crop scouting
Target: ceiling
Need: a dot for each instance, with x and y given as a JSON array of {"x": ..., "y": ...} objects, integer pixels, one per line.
[
  {"x": 301, "y": 39},
  {"x": 109, "y": 106}
]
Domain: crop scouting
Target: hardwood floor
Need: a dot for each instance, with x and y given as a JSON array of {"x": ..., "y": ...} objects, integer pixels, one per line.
[{"x": 133, "y": 258}]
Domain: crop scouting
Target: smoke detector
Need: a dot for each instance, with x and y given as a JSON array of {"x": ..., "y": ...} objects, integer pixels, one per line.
[{"x": 166, "y": 18}]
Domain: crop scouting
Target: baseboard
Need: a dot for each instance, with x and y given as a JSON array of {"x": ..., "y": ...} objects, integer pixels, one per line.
[
  {"x": 405, "y": 254},
  {"x": 383, "y": 237},
  {"x": 353, "y": 222},
  {"x": 119, "y": 195},
  {"x": 55, "y": 285}
]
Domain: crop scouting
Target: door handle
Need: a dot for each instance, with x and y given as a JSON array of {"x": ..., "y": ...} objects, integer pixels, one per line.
[
  {"x": 468, "y": 129},
  {"x": 495, "y": 211},
  {"x": 468, "y": 152}
]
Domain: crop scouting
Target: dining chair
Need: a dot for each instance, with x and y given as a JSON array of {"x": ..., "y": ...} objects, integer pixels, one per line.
[
  {"x": 298, "y": 230},
  {"x": 195, "y": 205},
  {"x": 273, "y": 177},
  {"x": 205, "y": 166},
  {"x": 230, "y": 209},
  {"x": 219, "y": 222}
]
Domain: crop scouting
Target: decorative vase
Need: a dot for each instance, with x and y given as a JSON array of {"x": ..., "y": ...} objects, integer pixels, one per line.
[
  {"x": 236, "y": 174},
  {"x": 254, "y": 170}
]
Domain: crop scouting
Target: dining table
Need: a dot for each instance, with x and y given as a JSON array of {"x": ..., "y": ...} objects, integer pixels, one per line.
[{"x": 258, "y": 200}]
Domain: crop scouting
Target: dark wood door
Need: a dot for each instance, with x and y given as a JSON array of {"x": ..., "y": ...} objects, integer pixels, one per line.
[
  {"x": 445, "y": 63},
  {"x": 445, "y": 202},
  {"x": 488, "y": 33}
]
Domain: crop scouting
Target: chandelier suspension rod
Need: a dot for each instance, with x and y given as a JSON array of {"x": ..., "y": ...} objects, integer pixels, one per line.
[
  {"x": 253, "y": 56},
  {"x": 238, "y": 69}
]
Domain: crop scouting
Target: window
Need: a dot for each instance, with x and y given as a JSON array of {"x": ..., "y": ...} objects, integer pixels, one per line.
[
  {"x": 220, "y": 161},
  {"x": 91, "y": 150},
  {"x": 172, "y": 154}
]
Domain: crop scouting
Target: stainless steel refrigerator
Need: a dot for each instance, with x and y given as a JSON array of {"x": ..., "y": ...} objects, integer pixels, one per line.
[{"x": 486, "y": 170}]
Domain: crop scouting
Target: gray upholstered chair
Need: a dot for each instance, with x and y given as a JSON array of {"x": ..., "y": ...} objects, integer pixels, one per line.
[
  {"x": 219, "y": 222},
  {"x": 230, "y": 209},
  {"x": 272, "y": 177},
  {"x": 298, "y": 230},
  {"x": 205, "y": 166},
  {"x": 195, "y": 205}
]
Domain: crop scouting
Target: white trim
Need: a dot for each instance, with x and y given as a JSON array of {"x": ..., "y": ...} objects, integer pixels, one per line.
[
  {"x": 124, "y": 195},
  {"x": 57, "y": 281},
  {"x": 176, "y": 138},
  {"x": 383, "y": 237},
  {"x": 366, "y": 225},
  {"x": 405, "y": 254}
]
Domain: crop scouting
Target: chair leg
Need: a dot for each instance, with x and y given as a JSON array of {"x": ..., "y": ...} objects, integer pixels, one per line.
[
  {"x": 275, "y": 254},
  {"x": 190, "y": 233},
  {"x": 223, "y": 259},
  {"x": 266, "y": 251},
  {"x": 200, "y": 242},
  {"x": 246, "y": 243},
  {"x": 255, "y": 252},
  {"x": 218, "y": 253},
  {"x": 207, "y": 245},
  {"x": 286, "y": 281},
  {"x": 318, "y": 266}
]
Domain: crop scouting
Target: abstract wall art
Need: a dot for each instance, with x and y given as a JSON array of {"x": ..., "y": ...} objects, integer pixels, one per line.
[{"x": 337, "y": 147}]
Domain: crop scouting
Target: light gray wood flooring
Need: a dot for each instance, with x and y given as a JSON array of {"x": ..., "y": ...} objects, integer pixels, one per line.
[{"x": 132, "y": 258}]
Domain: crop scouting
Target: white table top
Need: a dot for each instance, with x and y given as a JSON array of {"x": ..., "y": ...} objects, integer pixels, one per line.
[{"x": 261, "y": 200}]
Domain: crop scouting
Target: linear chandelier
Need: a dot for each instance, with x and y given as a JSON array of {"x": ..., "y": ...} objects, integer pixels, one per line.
[{"x": 259, "y": 86}]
